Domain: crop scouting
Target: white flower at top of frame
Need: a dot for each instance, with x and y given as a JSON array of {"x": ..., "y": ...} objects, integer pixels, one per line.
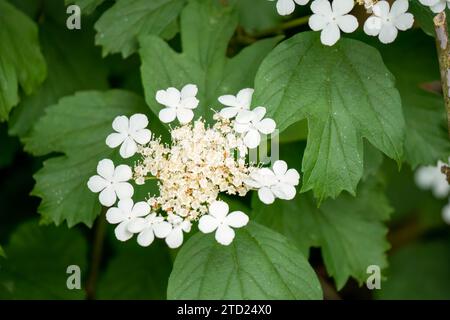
[
  {"x": 446, "y": 213},
  {"x": 175, "y": 238},
  {"x": 235, "y": 104},
  {"x": 220, "y": 221},
  {"x": 149, "y": 227},
  {"x": 125, "y": 213},
  {"x": 286, "y": 7},
  {"x": 179, "y": 104},
  {"x": 331, "y": 19},
  {"x": 111, "y": 182},
  {"x": 385, "y": 21},
  {"x": 431, "y": 177},
  {"x": 128, "y": 133},
  {"x": 251, "y": 124},
  {"x": 277, "y": 183},
  {"x": 437, "y": 6}
]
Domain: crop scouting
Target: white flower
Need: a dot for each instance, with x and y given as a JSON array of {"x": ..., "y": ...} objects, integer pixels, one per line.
[
  {"x": 129, "y": 132},
  {"x": 446, "y": 213},
  {"x": 279, "y": 183},
  {"x": 384, "y": 22},
  {"x": 220, "y": 221},
  {"x": 437, "y": 6},
  {"x": 431, "y": 177},
  {"x": 149, "y": 227},
  {"x": 111, "y": 182},
  {"x": 175, "y": 238},
  {"x": 179, "y": 104},
  {"x": 251, "y": 124},
  {"x": 331, "y": 19},
  {"x": 235, "y": 104},
  {"x": 286, "y": 7},
  {"x": 125, "y": 213}
]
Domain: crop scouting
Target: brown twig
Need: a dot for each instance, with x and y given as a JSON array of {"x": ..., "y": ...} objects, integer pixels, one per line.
[
  {"x": 443, "y": 48},
  {"x": 446, "y": 170}
]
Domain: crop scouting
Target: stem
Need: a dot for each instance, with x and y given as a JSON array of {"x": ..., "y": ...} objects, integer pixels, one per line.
[
  {"x": 285, "y": 26},
  {"x": 443, "y": 48},
  {"x": 96, "y": 258}
]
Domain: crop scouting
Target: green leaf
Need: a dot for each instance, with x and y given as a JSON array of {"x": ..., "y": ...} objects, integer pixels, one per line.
[
  {"x": 418, "y": 271},
  {"x": 8, "y": 147},
  {"x": 257, "y": 15},
  {"x": 259, "y": 264},
  {"x": 148, "y": 280},
  {"x": 86, "y": 6},
  {"x": 77, "y": 126},
  {"x": 349, "y": 230},
  {"x": 206, "y": 30},
  {"x": 121, "y": 25},
  {"x": 21, "y": 61},
  {"x": 73, "y": 65},
  {"x": 38, "y": 257},
  {"x": 346, "y": 94},
  {"x": 2, "y": 252}
]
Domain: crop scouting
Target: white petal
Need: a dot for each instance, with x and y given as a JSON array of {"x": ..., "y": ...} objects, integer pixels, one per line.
[
  {"x": 175, "y": 238},
  {"x": 252, "y": 139},
  {"x": 372, "y": 26},
  {"x": 253, "y": 183},
  {"x": 285, "y": 7},
  {"x": 399, "y": 7},
  {"x": 184, "y": 115},
  {"x": 244, "y": 98},
  {"x": 186, "y": 226},
  {"x": 141, "y": 209},
  {"x": 207, "y": 224},
  {"x": 330, "y": 34},
  {"x": 108, "y": 197},
  {"x": 381, "y": 9},
  {"x": 122, "y": 173},
  {"x": 388, "y": 33},
  {"x": 97, "y": 184},
  {"x": 124, "y": 190},
  {"x": 229, "y": 112},
  {"x": 241, "y": 127},
  {"x": 425, "y": 177},
  {"x": 167, "y": 115},
  {"x": 347, "y": 23},
  {"x": 126, "y": 205},
  {"x": 224, "y": 235},
  {"x": 245, "y": 116},
  {"x": 114, "y": 215},
  {"x": 162, "y": 229},
  {"x": 236, "y": 219},
  {"x": 404, "y": 22},
  {"x": 341, "y": 7},
  {"x": 137, "y": 225},
  {"x": 138, "y": 121},
  {"x": 429, "y": 3},
  {"x": 280, "y": 167},
  {"x": 439, "y": 7},
  {"x": 441, "y": 189},
  {"x": 219, "y": 210},
  {"x": 115, "y": 139},
  {"x": 188, "y": 91},
  {"x": 189, "y": 103},
  {"x": 170, "y": 97},
  {"x": 142, "y": 136},
  {"x": 259, "y": 113},
  {"x": 291, "y": 177},
  {"x": 266, "y": 195},
  {"x": 284, "y": 191},
  {"x": 122, "y": 232},
  {"x": 121, "y": 124},
  {"x": 266, "y": 126},
  {"x": 146, "y": 237},
  {"x": 128, "y": 148},
  {"x": 105, "y": 169},
  {"x": 301, "y": 2},
  {"x": 317, "y": 22},
  {"x": 322, "y": 7},
  {"x": 229, "y": 101}
]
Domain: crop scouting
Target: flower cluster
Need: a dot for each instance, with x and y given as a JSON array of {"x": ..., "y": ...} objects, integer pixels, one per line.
[
  {"x": 432, "y": 178},
  {"x": 333, "y": 18},
  {"x": 199, "y": 164}
]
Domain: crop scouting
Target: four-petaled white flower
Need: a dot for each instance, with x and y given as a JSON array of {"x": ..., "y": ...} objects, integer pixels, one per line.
[
  {"x": 279, "y": 183},
  {"x": 431, "y": 177},
  {"x": 128, "y": 133},
  {"x": 385, "y": 21},
  {"x": 446, "y": 213},
  {"x": 286, "y": 7},
  {"x": 175, "y": 237},
  {"x": 331, "y": 19},
  {"x": 111, "y": 182},
  {"x": 125, "y": 214},
  {"x": 178, "y": 104},
  {"x": 437, "y": 6},
  {"x": 236, "y": 104},
  {"x": 149, "y": 227},
  {"x": 220, "y": 221},
  {"x": 251, "y": 124}
]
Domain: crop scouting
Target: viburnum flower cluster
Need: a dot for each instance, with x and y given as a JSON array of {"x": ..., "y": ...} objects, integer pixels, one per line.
[
  {"x": 192, "y": 171},
  {"x": 332, "y": 18}
]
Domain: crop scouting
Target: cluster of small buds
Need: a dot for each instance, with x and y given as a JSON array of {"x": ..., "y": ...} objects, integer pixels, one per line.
[
  {"x": 200, "y": 163},
  {"x": 333, "y": 18}
]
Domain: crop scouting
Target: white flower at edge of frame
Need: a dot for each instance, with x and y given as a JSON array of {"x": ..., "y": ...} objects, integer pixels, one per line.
[
  {"x": 431, "y": 177},
  {"x": 446, "y": 213},
  {"x": 437, "y": 6},
  {"x": 149, "y": 227},
  {"x": 175, "y": 238},
  {"x": 125, "y": 213},
  {"x": 220, "y": 221},
  {"x": 331, "y": 19},
  {"x": 251, "y": 124},
  {"x": 277, "y": 183},
  {"x": 111, "y": 182},
  {"x": 129, "y": 133},
  {"x": 179, "y": 104},
  {"x": 235, "y": 104},
  {"x": 386, "y": 21},
  {"x": 286, "y": 7}
]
